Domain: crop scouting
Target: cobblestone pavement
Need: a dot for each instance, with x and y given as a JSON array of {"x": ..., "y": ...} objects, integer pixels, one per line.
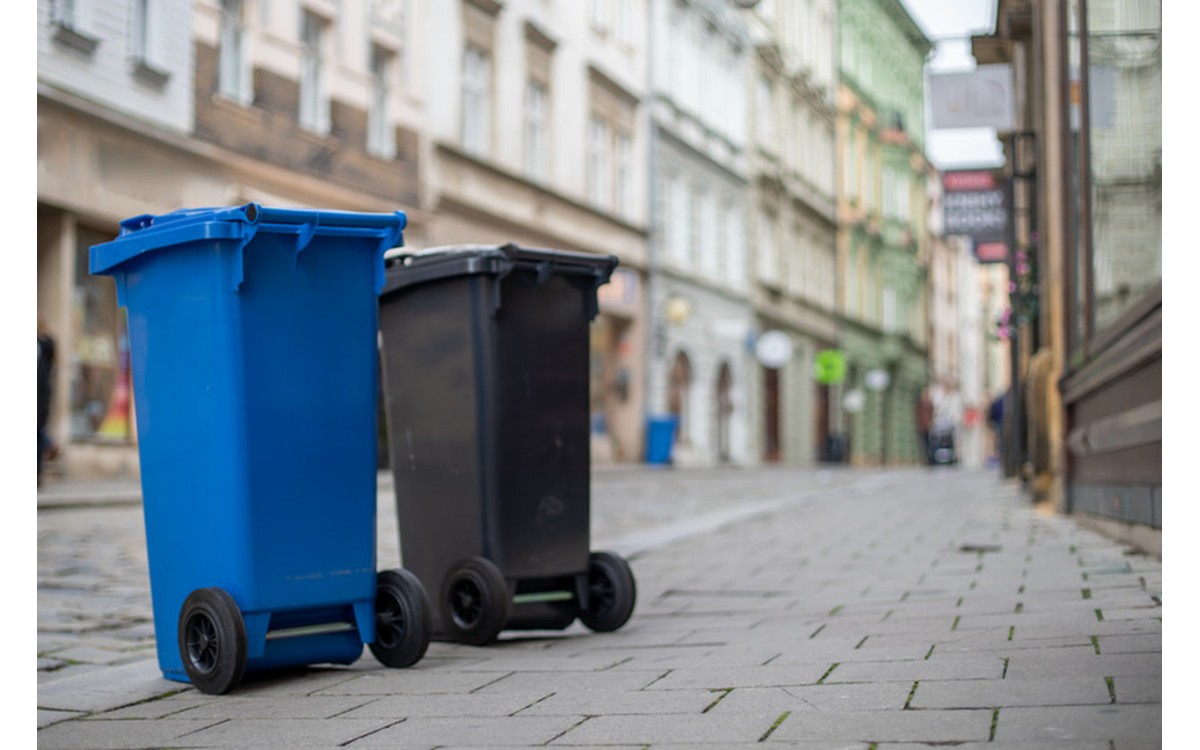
[{"x": 809, "y": 608}]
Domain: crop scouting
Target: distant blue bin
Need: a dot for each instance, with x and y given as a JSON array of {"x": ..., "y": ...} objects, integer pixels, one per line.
[
  {"x": 254, "y": 358},
  {"x": 660, "y": 438}
]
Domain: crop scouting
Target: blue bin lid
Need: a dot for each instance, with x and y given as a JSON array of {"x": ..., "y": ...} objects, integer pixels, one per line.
[{"x": 147, "y": 233}]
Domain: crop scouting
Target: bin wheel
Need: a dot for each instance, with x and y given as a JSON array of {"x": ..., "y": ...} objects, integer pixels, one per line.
[
  {"x": 612, "y": 592},
  {"x": 475, "y": 601},
  {"x": 401, "y": 619},
  {"x": 212, "y": 640}
]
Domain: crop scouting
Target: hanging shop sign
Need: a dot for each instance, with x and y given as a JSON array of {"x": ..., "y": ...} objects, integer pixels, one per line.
[
  {"x": 773, "y": 349},
  {"x": 829, "y": 367},
  {"x": 973, "y": 205}
]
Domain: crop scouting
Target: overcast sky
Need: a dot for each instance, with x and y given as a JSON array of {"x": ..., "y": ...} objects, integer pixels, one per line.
[{"x": 949, "y": 23}]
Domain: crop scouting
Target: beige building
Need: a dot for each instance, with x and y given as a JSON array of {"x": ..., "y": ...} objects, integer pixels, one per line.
[
  {"x": 511, "y": 90},
  {"x": 144, "y": 108},
  {"x": 792, "y": 219}
]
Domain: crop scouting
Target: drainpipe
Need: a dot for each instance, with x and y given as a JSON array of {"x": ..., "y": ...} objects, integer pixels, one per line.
[{"x": 652, "y": 250}]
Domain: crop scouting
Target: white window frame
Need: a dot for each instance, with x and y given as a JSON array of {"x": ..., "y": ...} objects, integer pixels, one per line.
[
  {"x": 476, "y": 101},
  {"x": 623, "y": 174},
  {"x": 233, "y": 75},
  {"x": 599, "y": 163},
  {"x": 537, "y": 141},
  {"x": 139, "y": 30},
  {"x": 314, "y": 98},
  {"x": 381, "y": 136}
]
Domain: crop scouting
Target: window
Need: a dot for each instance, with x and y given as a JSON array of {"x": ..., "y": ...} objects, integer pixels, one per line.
[
  {"x": 895, "y": 194},
  {"x": 1123, "y": 156},
  {"x": 536, "y": 141},
  {"x": 891, "y": 318},
  {"x": 381, "y": 139},
  {"x": 768, "y": 260},
  {"x": 764, "y": 115},
  {"x": 139, "y": 31},
  {"x": 141, "y": 44},
  {"x": 390, "y": 19},
  {"x": 599, "y": 164},
  {"x": 314, "y": 102},
  {"x": 623, "y": 175},
  {"x": 65, "y": 13},
  {"x": 476, "y": 102},
  {"x": 851, "y": 175},
  {"x": 735, "y": 247},
  {"x": 600, "y": 15},
  {"x": 678, "y": 220},
  {"x": 233, "y": 80},
  {"x": 610, "y": 160},
  {"x": 710, "y": 239},
  {"x": 99, "y": 370}
]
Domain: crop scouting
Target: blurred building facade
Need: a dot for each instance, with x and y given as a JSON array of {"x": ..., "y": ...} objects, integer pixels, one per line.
[
  {"x": 144, "y": 108},
  {"x": 1085, "y": 158},
  {"x": 544, "y": 143},
  {"x": 791, "y": 88},
  {"x": 757, "y": 167},
  {"x": 883, "y": 232},
  {"x": 701, "y": 370}
]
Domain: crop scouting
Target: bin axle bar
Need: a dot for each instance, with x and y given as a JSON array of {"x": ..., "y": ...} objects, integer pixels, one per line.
[
  {"x": 543, "y": 596},
  {"x": 331, "y": 627}
]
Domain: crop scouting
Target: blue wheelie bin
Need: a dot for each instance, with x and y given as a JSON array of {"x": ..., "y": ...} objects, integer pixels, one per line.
[{"x": 253, "y": 335}]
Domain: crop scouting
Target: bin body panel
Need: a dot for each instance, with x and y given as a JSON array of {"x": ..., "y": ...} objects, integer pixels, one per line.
[
  {"x": 254, "y": 382},
  {"x": 486, "y": 376},
  {"x": 543, "y": 452},
  {"x": 434, "y": 420}
]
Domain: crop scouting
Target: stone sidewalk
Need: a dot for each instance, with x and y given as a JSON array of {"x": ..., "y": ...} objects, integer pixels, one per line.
[{"x": 799, "y": 608}]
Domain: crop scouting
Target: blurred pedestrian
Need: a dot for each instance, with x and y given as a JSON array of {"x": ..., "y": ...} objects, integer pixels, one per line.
[
  {"x": 924, "y": 420},
  {"x": 996, "y": 422},
  {"x": 47, "y": 357}
]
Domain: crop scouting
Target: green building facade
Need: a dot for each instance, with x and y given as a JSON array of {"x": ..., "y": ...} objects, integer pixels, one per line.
[{"x": 883, "y": 242}]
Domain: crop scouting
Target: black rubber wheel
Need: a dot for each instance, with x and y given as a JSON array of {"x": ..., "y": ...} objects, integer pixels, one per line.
[
  {"x": 475, "y": 601},
  {"x": 401, "y": 619},
  {"x": 212, "y": 641},
  {"x": 612, "y": 593}
]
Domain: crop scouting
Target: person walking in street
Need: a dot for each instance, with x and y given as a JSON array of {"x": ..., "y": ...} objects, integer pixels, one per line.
[
  {"x": 924, "y": 419},
  {"x": 47, "y": 449}
]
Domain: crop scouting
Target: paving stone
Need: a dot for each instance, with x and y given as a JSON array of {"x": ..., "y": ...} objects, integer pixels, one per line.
[
  {"x": 718, "y": 678},
  {"x": 1074, "y": 691},
  {"x": 1130, "y": 644},
  {"x": 884, "y": 726},
  {"x": 495, "y": 703},
  {"x": 472, "y": 731},
  {"x": 604, "y": 702},
  {"x": 119, "y": 735},
  {"x": 949, "y": 667},
  {"x": 650, "y": 730},
  {"x": 108, "y": 688},
  {"x": 46, "y": 718},
  {"x": 271, "y": 732},
  {"x": 543, "y": 683},
  {"x": 417, "y": 680},
  {"x": 1120, "y": 723},
  {"x": 881, "y": 696},
  {"x": 1138, "y": 689},
  {"x": 1077, "y": 662}
]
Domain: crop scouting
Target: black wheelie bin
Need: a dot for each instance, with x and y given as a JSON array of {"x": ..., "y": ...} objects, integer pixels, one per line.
[{"x": 485, "y": 354}]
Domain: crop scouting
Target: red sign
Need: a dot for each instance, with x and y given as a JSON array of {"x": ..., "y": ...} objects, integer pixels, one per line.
[
  {"x": 991, "y": 252},
  {"x": 981, "y": 179}
]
